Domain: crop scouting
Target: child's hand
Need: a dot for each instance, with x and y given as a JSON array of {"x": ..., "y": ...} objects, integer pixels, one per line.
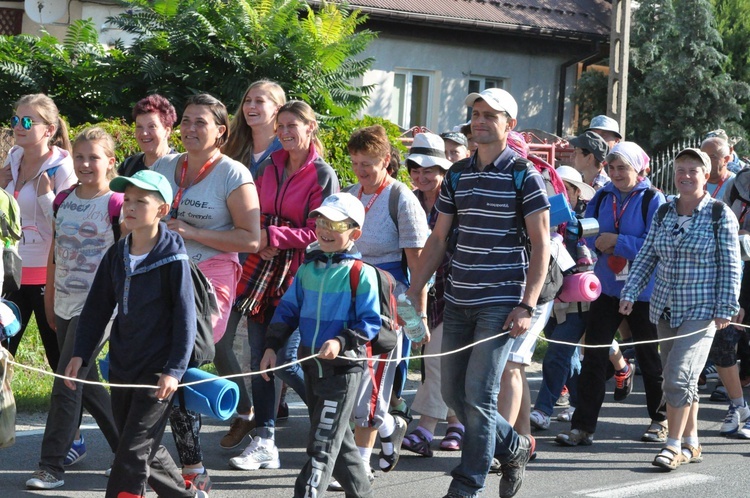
[
  {"x": 72, "y": 371},
  {"x": 167, "y": 386},
  {"x": 330, "y": 349},
  {"x": 5, "y": 176},
  {"x": 268, "y": 361}
]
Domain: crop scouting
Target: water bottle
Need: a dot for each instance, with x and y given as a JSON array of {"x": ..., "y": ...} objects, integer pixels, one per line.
[{"x": 413, "y": 325}]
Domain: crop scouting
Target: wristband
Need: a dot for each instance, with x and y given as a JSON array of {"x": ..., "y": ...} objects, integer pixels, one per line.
[{"x": 529, "y": 309}]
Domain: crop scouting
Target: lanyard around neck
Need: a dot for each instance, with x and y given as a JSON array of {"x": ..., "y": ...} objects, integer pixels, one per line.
[
  {"x": 374, "y": 197},
  {"x": 182, "y": 188}
]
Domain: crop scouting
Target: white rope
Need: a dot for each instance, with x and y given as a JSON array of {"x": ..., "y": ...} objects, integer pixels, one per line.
[{"x": 4, "y": 353}]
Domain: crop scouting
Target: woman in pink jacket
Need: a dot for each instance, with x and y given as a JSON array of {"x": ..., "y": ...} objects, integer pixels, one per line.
[{"x": 291, "y": 183}]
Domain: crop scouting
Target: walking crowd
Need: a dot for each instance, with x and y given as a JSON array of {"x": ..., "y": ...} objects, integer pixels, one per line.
[{"x": 110, "y": 253}]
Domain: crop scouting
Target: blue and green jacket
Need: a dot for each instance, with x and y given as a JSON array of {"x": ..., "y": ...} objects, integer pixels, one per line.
[{"x": 320, "y": 303}]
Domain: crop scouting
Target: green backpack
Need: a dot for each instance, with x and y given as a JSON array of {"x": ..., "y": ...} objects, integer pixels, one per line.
[{"x": 10, "y": 234}]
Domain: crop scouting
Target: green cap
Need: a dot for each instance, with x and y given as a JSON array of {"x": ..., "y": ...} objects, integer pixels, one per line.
[{"x": 147, "y": 180}]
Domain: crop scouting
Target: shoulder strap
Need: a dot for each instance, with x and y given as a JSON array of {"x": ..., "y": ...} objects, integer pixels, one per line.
[
  {"x": 649, "y": 194},
  {"x": 716, "y": 212},
  {"x": 61, "y": 198},
  {"x": 394, "y": 198},
  {"x": 114, "y": 215},
  {"x": 454, "y": 174},
  {"x": 661, "y": 212},
  {"x": 354, "y": 272},
  {"x": 520, "y": 170}
]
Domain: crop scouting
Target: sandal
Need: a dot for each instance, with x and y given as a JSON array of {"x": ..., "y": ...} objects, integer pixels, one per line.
[
  {"x": 418, "y": 442},
  {"x": 668, "y": 459},
  {"x": 454, "y": 436},
  {"x": 692, "y": 454}
]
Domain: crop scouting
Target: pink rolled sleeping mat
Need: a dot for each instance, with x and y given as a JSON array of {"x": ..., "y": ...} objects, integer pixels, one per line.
[{"x": 580, "y": 287}]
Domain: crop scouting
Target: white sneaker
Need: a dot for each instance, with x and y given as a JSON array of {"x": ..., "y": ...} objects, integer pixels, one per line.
[
  {"x": 735, "y": 416},
  {"x": 259, "y": 454},
  {"x": 744, "y": 432},
  {"x": 566, "y": 415},
  {"x": 539, "y": 420},
  {"x": 334, "y": 485},
  {"x": 41, "y": 479}
]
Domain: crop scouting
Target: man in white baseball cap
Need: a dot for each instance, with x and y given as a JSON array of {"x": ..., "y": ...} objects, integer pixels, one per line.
[{"x": 492, "y": 286}]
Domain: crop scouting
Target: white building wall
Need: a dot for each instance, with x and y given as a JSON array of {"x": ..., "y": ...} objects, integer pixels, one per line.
[{"x": 532, "y": 78}]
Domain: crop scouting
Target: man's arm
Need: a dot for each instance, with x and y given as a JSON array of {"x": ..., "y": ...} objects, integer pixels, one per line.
[
  {"x": 432, "y": 255},
  {"x": 537, "y": 228}
]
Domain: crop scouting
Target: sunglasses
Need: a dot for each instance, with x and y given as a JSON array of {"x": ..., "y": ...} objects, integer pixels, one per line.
[
  {"x": 334, "y": 226},
  {"x": 26, "y": 122}
]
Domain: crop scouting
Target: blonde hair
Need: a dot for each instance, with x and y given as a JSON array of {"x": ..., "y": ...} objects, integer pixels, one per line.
[
  {"x": 240, "y": 144},
  {"x": 304, "y": 112},
  {"x": 103, "y": 140},
  {"x": 49, "y": 112}
]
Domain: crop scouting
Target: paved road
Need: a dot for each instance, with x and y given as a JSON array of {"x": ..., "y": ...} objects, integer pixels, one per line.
[{"x": 617, "y": 465}]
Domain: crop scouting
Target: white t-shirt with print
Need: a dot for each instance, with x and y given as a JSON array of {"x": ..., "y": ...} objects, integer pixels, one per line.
[
  {"x": 204, "y": 205},
  {"x": 83, "y": 233}
]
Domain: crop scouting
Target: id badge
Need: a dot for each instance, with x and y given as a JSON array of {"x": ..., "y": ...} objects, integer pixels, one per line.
[{"x": 623, "y": 275}]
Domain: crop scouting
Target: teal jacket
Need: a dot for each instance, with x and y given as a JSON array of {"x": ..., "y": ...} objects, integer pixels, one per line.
[{"x": 320, "y": 303}]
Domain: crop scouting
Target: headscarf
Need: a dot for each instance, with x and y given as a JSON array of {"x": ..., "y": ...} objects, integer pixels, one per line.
[{"x": 631, "y": 153}]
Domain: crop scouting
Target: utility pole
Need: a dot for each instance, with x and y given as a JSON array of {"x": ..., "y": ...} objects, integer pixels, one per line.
[{"x": 619, "y": 55}]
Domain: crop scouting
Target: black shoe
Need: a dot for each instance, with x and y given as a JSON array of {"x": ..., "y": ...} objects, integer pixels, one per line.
[
  {"x": 283, "y": 412},
  {"x": 512, "y": 478},
  {"x": 624, "y": 383}
]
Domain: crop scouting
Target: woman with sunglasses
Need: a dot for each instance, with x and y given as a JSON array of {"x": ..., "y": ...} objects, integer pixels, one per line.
[
  {"x": 215, "y": 209},
  {"x": 38, "y": 167},
  {"x": 292, "y": 182}
]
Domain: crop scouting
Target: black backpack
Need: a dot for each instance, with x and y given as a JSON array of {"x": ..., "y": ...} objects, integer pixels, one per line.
[
  {"x": 204, "y": 350},
  {"x": 387, "y": 337}
]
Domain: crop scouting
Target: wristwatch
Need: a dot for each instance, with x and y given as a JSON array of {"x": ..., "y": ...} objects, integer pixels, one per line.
[{"x": 529, "y": 309}]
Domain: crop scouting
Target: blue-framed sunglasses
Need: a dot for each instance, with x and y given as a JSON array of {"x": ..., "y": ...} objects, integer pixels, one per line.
[{"x": 26, "y": 122}]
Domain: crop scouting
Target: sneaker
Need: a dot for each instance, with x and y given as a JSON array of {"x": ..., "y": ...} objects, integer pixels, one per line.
[
  {"x": 41, "y": 479},
  {"x": 744, "y": 431},
  {"x": 237, "y": 432},
  {"x": 564, "y": 399},
  {"x": 624, "y": 383},
  {"x": 76, "y": 453},
  {"x": 710, "y": 372},
  {"x": 574, "y": 437},
  {"x": 257, "y": 456},
  {"x": 745, "y": 382},
  {"x": 198, "y": 481},
  {"x": 334, "y": 485},
  {"x": 735, "y": 416},
  {"x": 512, "y": 472},
  {"x": 656, "y": 433},
  {"x": 539, "y": 420},
  {"x": 108, "y": 472},
  {"x": 201, "y": 494},
  {"x": 566, "y": 415},
  {"x": 495, "y": 466},
  {"x": 388, "y": 462},
  {"x": 720, "y": 395}
]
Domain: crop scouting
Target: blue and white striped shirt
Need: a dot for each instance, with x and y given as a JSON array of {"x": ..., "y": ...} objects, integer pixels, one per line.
[{"x": 489, "y": 266}]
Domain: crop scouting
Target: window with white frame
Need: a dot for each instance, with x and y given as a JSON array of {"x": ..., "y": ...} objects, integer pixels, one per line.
[
  {"x": 479, "y": 83},
  {"x": 411, "y": 99}
]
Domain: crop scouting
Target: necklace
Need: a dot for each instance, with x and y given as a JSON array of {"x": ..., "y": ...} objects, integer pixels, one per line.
[{"x": 93, "y": 197}]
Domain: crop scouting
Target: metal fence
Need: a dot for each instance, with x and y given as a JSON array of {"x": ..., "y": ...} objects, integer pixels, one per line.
[{"x": 662, "y": 176}]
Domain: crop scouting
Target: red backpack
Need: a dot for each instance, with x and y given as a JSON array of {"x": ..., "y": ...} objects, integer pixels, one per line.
[{"x": 387, "y": 337}]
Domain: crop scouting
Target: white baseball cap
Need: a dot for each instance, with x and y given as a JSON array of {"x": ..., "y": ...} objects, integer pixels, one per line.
[
  {"x": 497, "y": 98},
  {"x": 340, "y": 206}
]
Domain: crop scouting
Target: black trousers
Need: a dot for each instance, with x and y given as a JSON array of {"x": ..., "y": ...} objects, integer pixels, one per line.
[
  {"x": 30, "y": 299},
  {"x": 330, "y": 446},
  {"x": 604, "y": 318},
  {"x": 141, "y": 419}
]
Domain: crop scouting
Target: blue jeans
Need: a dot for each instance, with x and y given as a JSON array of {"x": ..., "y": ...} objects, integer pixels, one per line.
[
  {"x": 470, "y": 385},
  {"x": 557, "y": 367}
]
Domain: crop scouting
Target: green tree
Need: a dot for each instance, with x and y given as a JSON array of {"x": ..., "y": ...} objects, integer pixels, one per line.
[
  {"x": 80, "y": 74},
  {"x": 678, "y": 86},
  {"x": 189, "y": 46}
]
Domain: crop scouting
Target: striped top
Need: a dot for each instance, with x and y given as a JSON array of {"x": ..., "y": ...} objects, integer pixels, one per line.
[{"x": 489, "y": 266}]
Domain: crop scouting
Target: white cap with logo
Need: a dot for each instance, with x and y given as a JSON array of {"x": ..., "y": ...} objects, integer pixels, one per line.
[{"x": 497, "y": 98}]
